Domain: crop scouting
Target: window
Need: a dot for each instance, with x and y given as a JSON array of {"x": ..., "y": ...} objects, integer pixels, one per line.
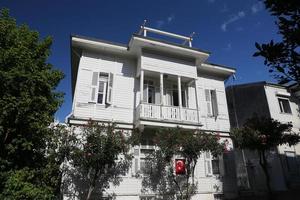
[
  {"x": 211, "y": 102},
  {"x": 284, "y": 105},
  {"x": 151, "y": 93},
  {"x": 215, "y": 166},
  {"x": 102, "y": 84},
  {"x": 212, "y": 166},
  {"x": 172, "y": 98},
  {"x": 140, "y": 158}
]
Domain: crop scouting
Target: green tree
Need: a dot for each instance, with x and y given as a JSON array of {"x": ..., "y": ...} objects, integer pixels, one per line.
[
  {"x": 101, "y": 158},
  {"x": 28, "y": 101},
  {"x": 172, "y": 143},
  {"x": 262, "y": 134},
  {"x": 283, "y": 57}
]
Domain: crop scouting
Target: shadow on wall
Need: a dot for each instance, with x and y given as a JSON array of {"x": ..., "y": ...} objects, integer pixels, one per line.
[{"x": 284, "y": 171}]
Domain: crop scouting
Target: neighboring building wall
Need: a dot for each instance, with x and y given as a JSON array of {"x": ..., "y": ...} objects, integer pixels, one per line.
[
  {"x": 262, "y": 99},
  {"x": 244, "y": 101}
]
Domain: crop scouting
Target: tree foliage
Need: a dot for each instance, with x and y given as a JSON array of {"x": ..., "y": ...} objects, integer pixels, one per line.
[
  {"x": 172, "y": 143},
  {"x": 283, "y": 57},
  {"x": 28, "y": 101},
  {"x": 100, "y": 159},
  {"x": 263, "y": 134}
]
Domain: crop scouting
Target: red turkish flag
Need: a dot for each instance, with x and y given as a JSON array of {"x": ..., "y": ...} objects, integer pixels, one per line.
[{"x": 180, "y": 166}]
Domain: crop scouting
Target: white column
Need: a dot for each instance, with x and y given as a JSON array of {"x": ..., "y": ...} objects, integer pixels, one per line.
[
  {"x": 196, "y": 97},
  {"x": 142, "y": 86},
  {"x": 179, "y": 92},
  {"x": 179, "y": 96},
  {"x": 161, "y": 88}
]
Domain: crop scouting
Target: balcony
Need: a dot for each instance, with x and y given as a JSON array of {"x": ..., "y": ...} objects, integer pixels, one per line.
[{"x": 165, "y": 113}]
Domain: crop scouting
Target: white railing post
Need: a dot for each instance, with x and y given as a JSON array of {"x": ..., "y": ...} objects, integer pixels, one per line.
[{"x": 179, "y": 97}]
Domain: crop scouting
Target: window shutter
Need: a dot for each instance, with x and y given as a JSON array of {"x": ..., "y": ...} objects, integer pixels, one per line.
[
  {"x": 208, "y": 101},
  {"x": 207, "y": 160},
  {"x": 94, "y": 86},
  {"x": 110, "y": 88},
  {"x": 214, "y": 103}
]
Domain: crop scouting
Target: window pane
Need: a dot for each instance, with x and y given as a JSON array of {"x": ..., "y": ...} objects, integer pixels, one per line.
[
  {"x": 208, "y": 166},
  {"x": 215, "y": 166},
  {"x": 100, "y": 98},
  {"x": 284, "y": 106},
  {"x": 103, "y": 75},
  {"x": 101, "y": 86}
]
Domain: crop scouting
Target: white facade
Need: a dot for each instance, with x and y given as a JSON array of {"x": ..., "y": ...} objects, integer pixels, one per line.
[{"x": 107, "y": 80}]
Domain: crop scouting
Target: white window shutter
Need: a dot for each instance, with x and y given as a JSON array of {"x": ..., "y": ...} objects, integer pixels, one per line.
[
  {"x": 208, "y": 102},
  {"x": 94, "y": 86},
  {"x": 214, "y": 103},
  {"x": 207, "y": 160},
  {"x": 109, "y": 95}
]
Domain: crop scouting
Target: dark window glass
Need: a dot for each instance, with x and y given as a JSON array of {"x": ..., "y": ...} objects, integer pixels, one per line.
[
  {"x": 215, "y": 166},
  {"x": 284, "y": 105}
]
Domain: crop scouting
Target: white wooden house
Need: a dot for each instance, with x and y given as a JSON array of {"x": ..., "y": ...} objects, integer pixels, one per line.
[
  {"x": 151, "y": 82},
  {"x": 274, "y": 101}
]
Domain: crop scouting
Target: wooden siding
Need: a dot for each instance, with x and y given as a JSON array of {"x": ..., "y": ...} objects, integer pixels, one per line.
[
  {"x": 221, "y": 122},
  {"x": 167, "y": 65},
  {"x": 122, "y": 107}
]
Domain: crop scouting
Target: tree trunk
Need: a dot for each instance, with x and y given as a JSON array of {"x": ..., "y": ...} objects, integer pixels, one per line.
[
  {"x": 91, "y": 189},
  {"x": 264, "y": 165},
  {"x": 92, "y": 183}
]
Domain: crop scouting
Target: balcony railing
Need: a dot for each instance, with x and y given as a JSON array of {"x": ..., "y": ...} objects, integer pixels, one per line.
[{"x": 166, "y": 113}]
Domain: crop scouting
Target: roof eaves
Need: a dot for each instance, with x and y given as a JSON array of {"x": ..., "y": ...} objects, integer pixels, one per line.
[
  {"x": 171, "y": 43},
  {"x": 99, "y": 40}
]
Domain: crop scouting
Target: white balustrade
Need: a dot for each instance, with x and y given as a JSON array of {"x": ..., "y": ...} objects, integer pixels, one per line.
[{"x": 171, "y": 113}]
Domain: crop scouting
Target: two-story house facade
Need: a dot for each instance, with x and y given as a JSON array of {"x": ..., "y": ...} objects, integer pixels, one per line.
[
  {"x": 272, "y": 101},
  {"x": 153, "y": 83}
]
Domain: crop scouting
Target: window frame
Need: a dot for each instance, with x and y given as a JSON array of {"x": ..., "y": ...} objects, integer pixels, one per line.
[
  {"x": 211, "y": 102},
  {"x": 105, "y": 80},
  {"x": 282, "y": 107}
]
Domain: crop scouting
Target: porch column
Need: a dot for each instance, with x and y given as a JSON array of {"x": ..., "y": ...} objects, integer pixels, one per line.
[
  {"x": 142, "y": 86},
  {"x": 179, "y": 96},
  {"x": 161, "y": 95},
  {"x": 196, "y": 97},
  {"x": 161, "y": 88}
]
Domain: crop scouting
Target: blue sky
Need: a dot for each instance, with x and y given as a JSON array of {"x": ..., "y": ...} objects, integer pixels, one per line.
[{"x": 226, "y": 28}]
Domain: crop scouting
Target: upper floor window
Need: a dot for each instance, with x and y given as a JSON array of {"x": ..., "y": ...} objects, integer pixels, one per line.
[
  {"x": 102, "y": 84},
  {"x": 211, "y": 102},
  {"x": 284, "y": 105}
]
